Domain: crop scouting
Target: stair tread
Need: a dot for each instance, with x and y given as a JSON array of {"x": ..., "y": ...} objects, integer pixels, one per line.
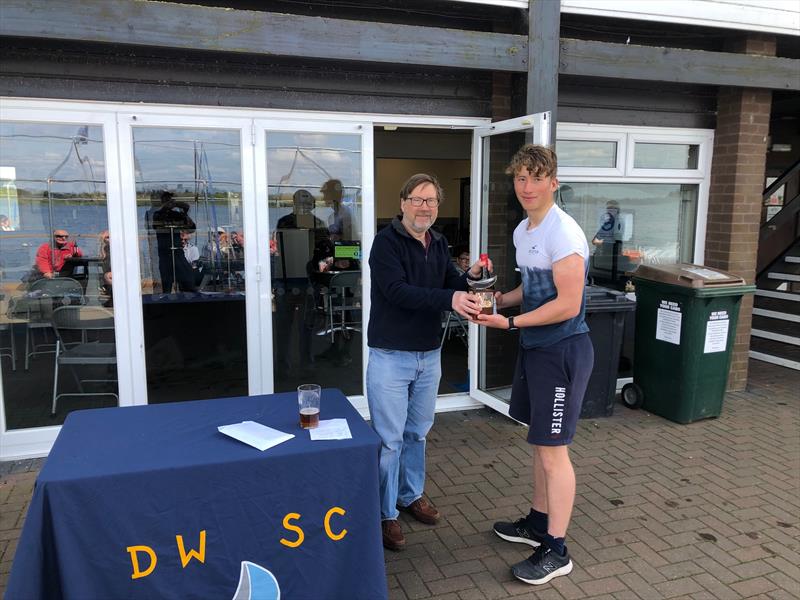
[
  {"x": 775, "y": 348},
  {"x": 770, "y": 293},
  {"x": 777, "y": 304},
  {"x": 776, "y": 325},
  {"x": 775, "y": 360}
]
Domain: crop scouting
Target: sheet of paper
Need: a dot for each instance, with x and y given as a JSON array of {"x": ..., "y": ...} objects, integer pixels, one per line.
[
  {"x": 332, "y": 429},
  {"x": 668, "y": 322},
  {"x": 716, "y": 332},
  {"x": 255, "y": 434}
]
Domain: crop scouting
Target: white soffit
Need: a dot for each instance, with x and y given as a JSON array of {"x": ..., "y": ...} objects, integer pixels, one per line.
[{"x": 771, "y": 16}]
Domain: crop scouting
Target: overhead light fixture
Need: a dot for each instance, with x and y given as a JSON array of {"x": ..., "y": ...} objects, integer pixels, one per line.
[{"x": 390, "y": 127}]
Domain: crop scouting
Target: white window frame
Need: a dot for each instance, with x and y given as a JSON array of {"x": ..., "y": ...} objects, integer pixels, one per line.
[
  {"x": 701, "y": 176},
  {"x": 30, "y": 441},
  {"x": 364, "y": 129},
  {"x": 691, "y": 139},
  {"x": 153, "y": 120}
]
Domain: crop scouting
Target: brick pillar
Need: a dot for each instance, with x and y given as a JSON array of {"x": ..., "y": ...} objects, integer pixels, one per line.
[{"x": 737, "y": 181}]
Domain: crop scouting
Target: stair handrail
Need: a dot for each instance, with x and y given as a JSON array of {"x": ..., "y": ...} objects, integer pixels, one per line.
[
  {"x": 779, "y": 233},
  {"x": 784, "y": 177}
]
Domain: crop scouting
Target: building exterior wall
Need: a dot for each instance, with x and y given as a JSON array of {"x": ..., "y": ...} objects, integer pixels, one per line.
[{"x": 737, "y": 181}]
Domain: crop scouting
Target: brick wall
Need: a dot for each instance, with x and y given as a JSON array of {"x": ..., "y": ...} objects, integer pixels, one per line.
[{"x": 737, "y": 181}]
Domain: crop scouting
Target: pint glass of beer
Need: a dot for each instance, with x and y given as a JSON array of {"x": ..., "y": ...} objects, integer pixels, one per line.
[{"x": 308, "y": 396}]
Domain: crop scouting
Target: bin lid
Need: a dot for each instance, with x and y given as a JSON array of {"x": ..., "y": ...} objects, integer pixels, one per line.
[
  {"x": 688, "y": 275},
  {"x": 600, "y": 299}
]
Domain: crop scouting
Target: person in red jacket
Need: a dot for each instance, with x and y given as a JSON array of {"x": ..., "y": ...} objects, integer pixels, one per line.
[{"x": 50, "y": 259}]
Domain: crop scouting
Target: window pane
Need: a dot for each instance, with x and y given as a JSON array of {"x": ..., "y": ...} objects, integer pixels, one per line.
[
  {"x": 315, "y": 219},
  {"x": 54, "y": 259},
  {"x": 665, "y": 156},
  {"x": 631, "y": 223},
  {"x": 191, "y": 249},
  {"x": 497, "y": 349},
  {"x": 584, "y": 153}
]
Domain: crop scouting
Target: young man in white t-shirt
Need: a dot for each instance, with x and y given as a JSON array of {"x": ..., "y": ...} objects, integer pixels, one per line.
[{"x": 555, "y": 358}]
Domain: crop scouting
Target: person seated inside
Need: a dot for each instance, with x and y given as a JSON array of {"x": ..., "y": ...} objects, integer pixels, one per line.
[
  {"x": 51, "y": 259},
  {"x": 462, "y": 260},
  {"x": 192, "y": 255},
  {"x": 237, "y": 245},
  {"x": 104, "y": 253}
]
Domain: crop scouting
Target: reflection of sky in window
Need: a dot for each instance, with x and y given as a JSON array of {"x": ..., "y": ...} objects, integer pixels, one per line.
[
  {"x": 167, "y": 157},
  {"x": 574, "y": 153},
  {"x": 307, "y": 160},
  {"x": 70, "y": 154},
  {"x": 665, "y": 156}
]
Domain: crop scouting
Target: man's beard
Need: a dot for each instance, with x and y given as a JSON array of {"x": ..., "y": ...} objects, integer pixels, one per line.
[{"x": 416, "y": 228}]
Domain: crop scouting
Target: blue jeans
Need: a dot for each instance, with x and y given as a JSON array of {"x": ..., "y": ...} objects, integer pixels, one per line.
[{"x": 401, "y": 392}]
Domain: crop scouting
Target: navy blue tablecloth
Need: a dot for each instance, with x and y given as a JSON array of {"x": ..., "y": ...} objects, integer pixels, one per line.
[{"x": 126, "y": 489}]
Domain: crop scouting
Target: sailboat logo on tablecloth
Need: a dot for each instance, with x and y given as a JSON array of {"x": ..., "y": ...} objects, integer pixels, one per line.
[{"x": 256, "y": 583}]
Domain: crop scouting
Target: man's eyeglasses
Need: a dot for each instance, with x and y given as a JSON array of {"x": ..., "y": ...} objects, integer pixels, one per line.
[
  {"x": 417, "y": 201},
  {"x": 61, "y": 236}
]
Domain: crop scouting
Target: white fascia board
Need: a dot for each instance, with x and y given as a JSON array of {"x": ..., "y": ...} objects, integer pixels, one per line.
[{"x": 770, "y": 16}]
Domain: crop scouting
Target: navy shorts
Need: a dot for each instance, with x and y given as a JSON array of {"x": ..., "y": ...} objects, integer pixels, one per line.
[{"x": 549, "y": 384}]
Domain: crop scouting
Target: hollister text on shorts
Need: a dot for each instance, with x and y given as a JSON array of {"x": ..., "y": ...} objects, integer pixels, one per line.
[{"x": 558, "y": 410}]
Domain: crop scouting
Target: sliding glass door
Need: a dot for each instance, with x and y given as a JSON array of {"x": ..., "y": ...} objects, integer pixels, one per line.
[{"x": 314, "y": 177}]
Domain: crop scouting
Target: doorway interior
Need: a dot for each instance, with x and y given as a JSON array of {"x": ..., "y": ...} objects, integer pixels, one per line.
[{"x": 446, "y": 153}]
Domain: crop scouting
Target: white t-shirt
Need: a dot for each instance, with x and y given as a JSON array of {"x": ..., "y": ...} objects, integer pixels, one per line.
[{"x": 556, "y": 237}]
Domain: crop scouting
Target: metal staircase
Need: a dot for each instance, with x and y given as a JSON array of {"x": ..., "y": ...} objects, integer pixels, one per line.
[{"x": 776, "y": 313}]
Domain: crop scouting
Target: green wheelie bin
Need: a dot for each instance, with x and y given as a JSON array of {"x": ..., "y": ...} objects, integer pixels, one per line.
[{"x": 685, "y": 329}]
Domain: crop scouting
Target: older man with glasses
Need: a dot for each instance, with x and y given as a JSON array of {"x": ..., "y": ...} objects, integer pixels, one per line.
[
  {"x": 413, "y": 281},
  {"x": 51, "y": 258}
]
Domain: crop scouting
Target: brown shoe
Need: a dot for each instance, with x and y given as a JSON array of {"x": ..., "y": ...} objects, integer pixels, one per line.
[
  {"x": 393, "y": 538},
  {"x": 422, "y": 510}
]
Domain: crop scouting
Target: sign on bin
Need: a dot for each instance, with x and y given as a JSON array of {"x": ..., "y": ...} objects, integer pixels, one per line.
[
  {"x": 717, "y": 332},
  {"x": 668, "y": 322}
]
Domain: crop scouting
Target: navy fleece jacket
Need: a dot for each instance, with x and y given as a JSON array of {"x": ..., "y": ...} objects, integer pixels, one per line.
[{"x": 411, "y": 286}]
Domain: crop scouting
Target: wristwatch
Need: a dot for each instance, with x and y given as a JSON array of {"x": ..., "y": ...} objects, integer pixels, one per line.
[{"x": 511, "y": 326}]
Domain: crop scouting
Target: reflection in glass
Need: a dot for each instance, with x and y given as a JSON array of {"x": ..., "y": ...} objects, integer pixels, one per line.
[
  {"x": 665, "y": 156},
  {"x": 191, "y": 249},
  {"x": 315, "y": 218},
  {"x": 501, "y": 214},
  {"x": 631, "y": 223},
  {"x": 53, "y": 240},
  {"x": 586, "y": 153}
]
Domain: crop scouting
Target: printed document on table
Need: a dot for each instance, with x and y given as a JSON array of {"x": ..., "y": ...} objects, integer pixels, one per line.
[
  {"x": 332, "y": 429},
  {"x": 255, "y": 434}
]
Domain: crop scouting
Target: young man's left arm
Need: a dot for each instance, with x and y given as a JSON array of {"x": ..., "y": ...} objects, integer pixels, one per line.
[{"x": 569, "y": 276}]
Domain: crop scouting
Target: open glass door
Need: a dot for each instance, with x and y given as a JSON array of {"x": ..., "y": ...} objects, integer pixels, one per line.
[{"x": 496, "y": 213}]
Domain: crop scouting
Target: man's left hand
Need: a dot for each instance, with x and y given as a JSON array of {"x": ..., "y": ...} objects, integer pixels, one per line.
[{"x": 493, "y": 321}]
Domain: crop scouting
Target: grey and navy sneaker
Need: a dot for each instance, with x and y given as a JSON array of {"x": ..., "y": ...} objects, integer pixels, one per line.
[
  {"x": 519, "y": 531},
  {"x": 542, "y": 566}
]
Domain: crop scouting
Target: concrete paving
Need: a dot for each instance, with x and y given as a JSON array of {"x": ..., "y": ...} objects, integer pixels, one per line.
[{"x": 706, "y": 510}]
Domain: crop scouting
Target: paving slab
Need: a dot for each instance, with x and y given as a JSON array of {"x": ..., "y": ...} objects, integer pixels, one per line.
[{"x": 663, "y": 510}]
